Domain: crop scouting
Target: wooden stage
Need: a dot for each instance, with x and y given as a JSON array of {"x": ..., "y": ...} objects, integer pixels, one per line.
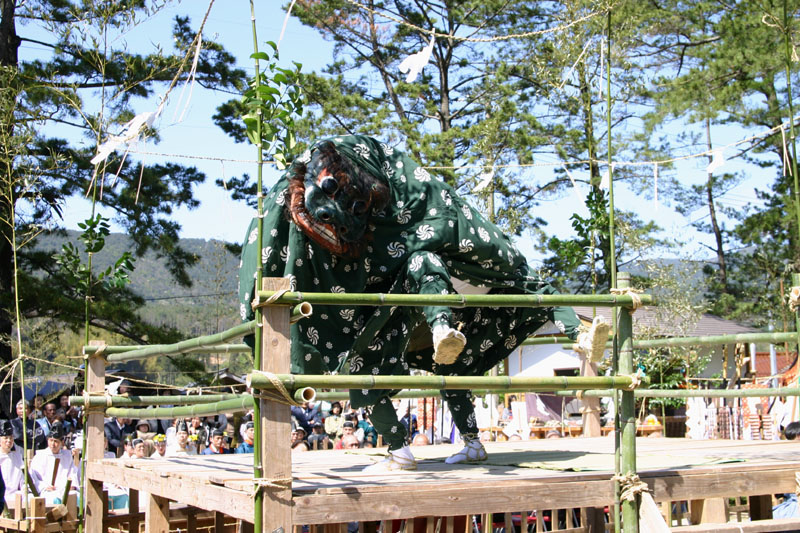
[{"x": 329, "y": 487}]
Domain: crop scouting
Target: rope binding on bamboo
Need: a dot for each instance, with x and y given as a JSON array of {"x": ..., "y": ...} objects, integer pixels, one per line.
[
  {"x": 275, "y": 483},
  {"x": 636, "y": 300},
  {"x": 283, "y": 396},
  {"x": 87, "y": 405},
  {"x": 630, "y": 486},
  {"x": 636, "y": 379},
  {"x": 269, "y": 301}
]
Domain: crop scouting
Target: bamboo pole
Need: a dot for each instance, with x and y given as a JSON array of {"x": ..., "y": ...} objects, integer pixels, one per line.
[
  {"x": 206, "y": 344},
  {"x": 217, "y": 348},
  {"x": 331, "y": 396},
  {"x": 630, "y": 509},
  {"x": 687, "y": 393},
  {"x": 709, "y": 340},
  {"x": 795, "y": 283},
  {"x": 455, "y": 300},
  {"x": 138, "y": 401},
  {"x": 243, "y": 403},
  {"x": 293, "y": 381}
]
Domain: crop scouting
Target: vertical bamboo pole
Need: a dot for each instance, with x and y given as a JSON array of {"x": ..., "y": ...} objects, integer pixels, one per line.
[
  {"x": 94, "y": 383},
  {"x": 630, "y": 509},
  {"x": 276, "y": 418},
  {"x": 258, "y": 457}
]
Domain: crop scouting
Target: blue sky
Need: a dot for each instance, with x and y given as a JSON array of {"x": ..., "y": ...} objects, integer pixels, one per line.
[{"x": 218, "y": 217}]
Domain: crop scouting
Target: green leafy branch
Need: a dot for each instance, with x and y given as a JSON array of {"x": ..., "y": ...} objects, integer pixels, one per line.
[
  {"x": 274, "y": 100},
  {"x": 79, "y": 274}
]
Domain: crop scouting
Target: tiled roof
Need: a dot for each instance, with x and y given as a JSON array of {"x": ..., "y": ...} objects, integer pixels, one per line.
[{"x": 648, "y": 318}]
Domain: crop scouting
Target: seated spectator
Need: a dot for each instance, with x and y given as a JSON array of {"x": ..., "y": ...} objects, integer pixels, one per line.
[
  {"x": 298, "y": 435},
  {"x": 160, "y": 444},
  {"x": 182, "y": 444},
  {"x": 552, "y": 434},
  {"x": 299, "y": 447},
  {"x": 249, "y": 438},
  {"x": 312, "y": 412},
  {"x": 10, "y": 463},
  {"x": 789, "y": 507},
  {"x": 420, "y": 439},
  {"x": 129, "y": 451},
  {"x": 49, "y": 418},
  {"x": 348, "y": 428},
  {"x": 216, "y": 444},
  {"x": 34, "y": 434},
  {"x": 349, "y": 442},
  {"x": 318, "y": 440},
  {"x": 139, "y": 449},
  {"x": 145, "y": 429},
  {"x": 365, "y": 431},
  {"x": 116, "y": 430},
  {"x": 334, "y": 421},
  {"x": 52, "y": 467}
]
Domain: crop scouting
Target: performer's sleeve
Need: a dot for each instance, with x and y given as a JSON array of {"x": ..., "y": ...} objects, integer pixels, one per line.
[{"x": 565, "y": 318}]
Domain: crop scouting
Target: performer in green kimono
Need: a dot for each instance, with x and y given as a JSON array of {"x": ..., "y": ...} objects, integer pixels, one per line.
[{"x": 352, "y": 215}]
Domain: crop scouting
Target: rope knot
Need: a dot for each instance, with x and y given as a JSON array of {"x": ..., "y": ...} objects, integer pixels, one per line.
[
  {"x": 636, "y": 300},
  {"x": 282, "y": 395},
  {"x": 630, "y": 486}
]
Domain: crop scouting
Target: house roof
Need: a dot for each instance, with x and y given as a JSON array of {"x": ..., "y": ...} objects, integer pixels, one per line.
[{"x": 649, "y": 320}]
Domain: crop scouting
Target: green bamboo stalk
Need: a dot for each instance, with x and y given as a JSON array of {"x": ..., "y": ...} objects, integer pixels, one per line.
[
  {"x": 796, "y": 283},
  {"x": 294, "y": 381},
  {"x": 709, "y": 340},
  {"x": 630, "y": 509},
  {"x": 243, "y": 403},
  {"x": 195, "y": 344},
  {"x": 217, "y": 348},
  {"x": 788, "y": 67},
  {"x": 687, "y": 393},
  {"x": 258, "y": 504},
  {"x": 138, "y": 401},
  {"x": 456, "y": 300}
]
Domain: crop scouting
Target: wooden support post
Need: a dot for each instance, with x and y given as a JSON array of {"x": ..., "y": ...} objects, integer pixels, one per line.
[
  {"x": 95, "y": 507},
  {"x": 630, "y": 509},
  {"x": 219, "y": 522},
  {"x": 133, "y": 510},
  {"x": 760, "y": 507},
  {"x": 708, "y": 511},
  {"x": 276, "y": 417},
  {"x": 157, "y": 514},
  {"x": 591, "y": 414},
  {"x": 593, "y": 519},
  {"x": 191, "y": 520},
  {"x": 36, "y": 515}
]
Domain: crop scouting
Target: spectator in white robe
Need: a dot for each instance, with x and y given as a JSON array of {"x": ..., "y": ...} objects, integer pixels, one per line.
[
  {"x": 10, "y": 464},
  {"x": 52, "y": 467}
]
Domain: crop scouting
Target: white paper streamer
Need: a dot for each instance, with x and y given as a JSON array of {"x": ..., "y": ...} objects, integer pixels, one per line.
[
  {"x": 414, "y": 63},
  {"x": 716, "y": 162}
]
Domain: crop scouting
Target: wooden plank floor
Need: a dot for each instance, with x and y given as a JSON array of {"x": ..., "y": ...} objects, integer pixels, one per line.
[{"x": 328, "y": 486}]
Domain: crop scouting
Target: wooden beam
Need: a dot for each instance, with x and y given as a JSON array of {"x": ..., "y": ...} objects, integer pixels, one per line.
[
  {"x": 133, "y": 509},
  {"x": 157, "y": 515},
  {"x": 762, "y": 526},
  {"x": 36, "y": 515},
  {"x": 96, "y": 506},
  {"x": 276, "y": 417}
]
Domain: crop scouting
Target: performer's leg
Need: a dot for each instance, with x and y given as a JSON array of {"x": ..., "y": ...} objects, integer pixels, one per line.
[
  {"x": 384, "y": 419},
  {"x": 426, "y": 273},
  {"x": 463, "y": 412}
]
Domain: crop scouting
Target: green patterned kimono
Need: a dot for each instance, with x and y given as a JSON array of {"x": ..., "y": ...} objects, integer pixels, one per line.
[{"x": 423, "y": 242}]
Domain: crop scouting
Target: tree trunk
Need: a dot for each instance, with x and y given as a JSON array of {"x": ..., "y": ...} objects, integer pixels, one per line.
[
  {"x": 9, "y": 44},
  {"x": 723, "y": 270}
]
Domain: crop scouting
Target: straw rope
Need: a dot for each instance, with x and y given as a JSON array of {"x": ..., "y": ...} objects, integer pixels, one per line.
[
  {"x": 797, "y": 483},
  {"x": 284, "y": 396},
  {"x": 636, "y": 300},
  {"x": 630, "y": 486},
  {"x": 434, "y": 33},
  {"x": 276, "y": 483},
  {"x": 636, "y": 379}
]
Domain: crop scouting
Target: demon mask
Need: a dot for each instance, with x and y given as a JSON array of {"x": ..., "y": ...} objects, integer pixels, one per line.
[{"x": 331, "y": 200}]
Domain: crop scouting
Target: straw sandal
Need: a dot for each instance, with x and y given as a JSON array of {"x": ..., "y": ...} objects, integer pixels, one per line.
[
  {"x": 592, "y": 343},
  {"x": 447, "y": 344},
  {"x": 401, "y": 459},
  {"x": 472, "y": 452}
]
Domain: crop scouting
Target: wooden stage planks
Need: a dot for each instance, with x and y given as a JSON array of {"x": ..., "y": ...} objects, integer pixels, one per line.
[{"x": 329, "y": 487}]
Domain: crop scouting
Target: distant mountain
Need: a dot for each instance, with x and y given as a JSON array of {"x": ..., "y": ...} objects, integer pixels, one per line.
[{"x": 214, "y": 274}]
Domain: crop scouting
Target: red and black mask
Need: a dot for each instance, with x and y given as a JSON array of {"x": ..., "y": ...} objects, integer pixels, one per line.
[{"x": 331, "y": 200}]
